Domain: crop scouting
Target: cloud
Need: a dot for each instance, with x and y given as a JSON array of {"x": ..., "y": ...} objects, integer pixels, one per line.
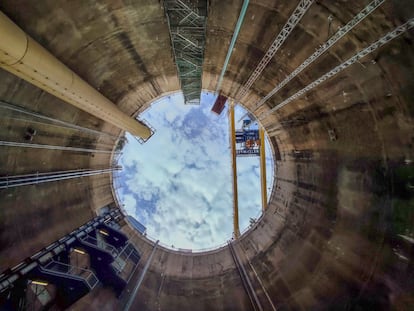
[{"x": 178, "y": 184}]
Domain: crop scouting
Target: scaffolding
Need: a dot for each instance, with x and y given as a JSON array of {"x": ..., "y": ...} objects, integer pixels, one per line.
[{"x": 187, "y": 26}]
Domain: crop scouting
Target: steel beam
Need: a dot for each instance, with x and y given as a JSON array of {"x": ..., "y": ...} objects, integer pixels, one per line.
[
  {"x": 22, "y": 269},
  {"x": 263, "y": 168},
  {"x": 324, "y": 47},
  {"x": 233, "y": 41},
  {"x": 236, "y": 230},
  {"x": 368, "y": 50},
  {"x": 293, "y": 20}
]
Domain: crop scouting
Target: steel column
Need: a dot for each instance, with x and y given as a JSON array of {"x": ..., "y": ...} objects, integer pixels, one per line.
[
  {"x": 236, "y": 230},
  {"x": 263, "y": 168}
]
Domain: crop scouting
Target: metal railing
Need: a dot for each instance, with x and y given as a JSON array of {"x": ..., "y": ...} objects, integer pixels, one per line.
[
  {"x": 86, "y": 274},
  {"x": 127, "y": 254},
  {"x": 19, "y": 271},
  {"x": 101, "y": 244}
]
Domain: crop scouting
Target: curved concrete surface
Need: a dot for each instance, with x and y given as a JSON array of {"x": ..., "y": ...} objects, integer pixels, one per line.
[{"x": 338, "y": 231}]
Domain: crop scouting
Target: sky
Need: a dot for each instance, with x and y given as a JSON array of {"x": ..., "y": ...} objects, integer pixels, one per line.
[{"x": 179, "y": 183}]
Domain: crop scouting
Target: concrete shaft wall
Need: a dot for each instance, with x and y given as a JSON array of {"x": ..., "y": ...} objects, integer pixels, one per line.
[{"x": 331, "y": 238}]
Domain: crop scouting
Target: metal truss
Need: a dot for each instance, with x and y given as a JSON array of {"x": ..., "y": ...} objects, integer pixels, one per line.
[
  {"x": 187, "y": 26},
  {"x": 374, "y": 46},
  {"x": 324, "y": 47},
  {"x": 296, "y": 16}
]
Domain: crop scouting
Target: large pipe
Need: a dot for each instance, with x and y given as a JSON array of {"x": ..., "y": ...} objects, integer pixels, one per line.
[{"x": 25, "y": 58}]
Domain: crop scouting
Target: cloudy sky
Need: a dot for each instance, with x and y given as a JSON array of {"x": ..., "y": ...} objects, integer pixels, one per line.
[{"x": 178, "y": 184}]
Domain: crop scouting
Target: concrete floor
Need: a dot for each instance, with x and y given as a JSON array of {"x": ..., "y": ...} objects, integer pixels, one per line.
[{"x": 331, "y": 237}]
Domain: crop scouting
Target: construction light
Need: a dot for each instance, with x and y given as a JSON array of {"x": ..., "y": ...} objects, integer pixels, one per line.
[
  {"x": 103, "y": 232},
  {"x": 79, "y": 251},
  {"x": 42, "y": 283}
]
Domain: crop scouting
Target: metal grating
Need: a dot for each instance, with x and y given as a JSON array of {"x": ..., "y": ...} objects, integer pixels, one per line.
[{"x": 187, "y": 25}]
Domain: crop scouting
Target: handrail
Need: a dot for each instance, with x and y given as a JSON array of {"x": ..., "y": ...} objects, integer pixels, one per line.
[
  {"x": 71, "y": 270},
  {"x": 101, "y": 244}
]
